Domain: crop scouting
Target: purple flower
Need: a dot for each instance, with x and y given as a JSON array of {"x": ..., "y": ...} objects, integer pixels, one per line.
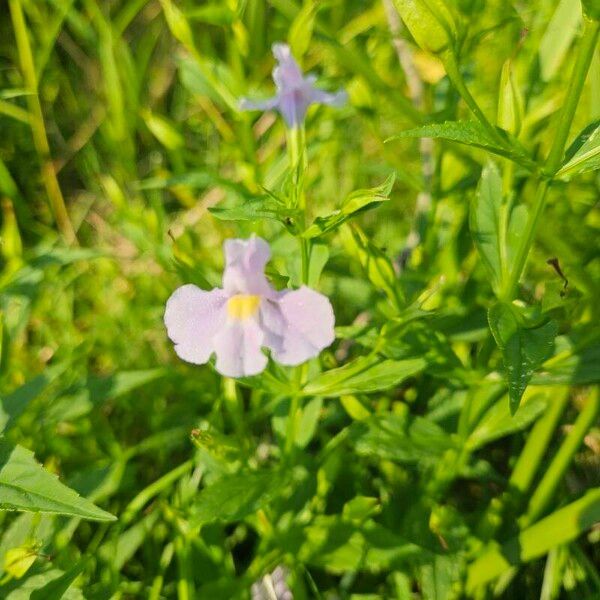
[
  {"x": 295, "y": 93},
  {"x": 236, "y": 322}
]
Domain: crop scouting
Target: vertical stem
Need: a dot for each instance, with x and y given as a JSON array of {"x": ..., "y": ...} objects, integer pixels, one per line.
[
  {"x": 457, "y": 80},
  {"x": 38, "y": 128},
  {"x": 582, "y": 65},
  {"x": 296, "y": 142},
  {"x": 565, "y": 119},
  {"x": 539, "y": 204}
]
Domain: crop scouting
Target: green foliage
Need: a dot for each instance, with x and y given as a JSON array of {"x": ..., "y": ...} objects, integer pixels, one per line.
[
  {"x": 445, "y": 446},
  {"x": 25, "y": 485},
  {"x": 525, "y": 345}
]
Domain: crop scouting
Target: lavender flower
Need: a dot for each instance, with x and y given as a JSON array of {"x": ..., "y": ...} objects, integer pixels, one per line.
[
  {"x": 295, "y": 92},
  {"x": 236, "y": 322}
]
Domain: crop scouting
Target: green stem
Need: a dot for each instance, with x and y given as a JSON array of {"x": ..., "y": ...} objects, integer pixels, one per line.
[
  {"x": 578, "y": 77},
  {"x": 296, "y": 143},
  {"x": 565, "y": 119},
  {"x": 453, "y": 71},
  {"x": 38, "y": 128},
  {"x": 554, "y": 474},
  {"x": 539, "y": 204}
]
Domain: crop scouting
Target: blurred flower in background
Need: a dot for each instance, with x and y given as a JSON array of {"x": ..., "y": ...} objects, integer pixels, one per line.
[{"x": 295, "y": 92}]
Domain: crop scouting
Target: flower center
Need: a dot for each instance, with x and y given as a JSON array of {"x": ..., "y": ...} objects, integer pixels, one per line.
[{"x": 242, "y": 306}]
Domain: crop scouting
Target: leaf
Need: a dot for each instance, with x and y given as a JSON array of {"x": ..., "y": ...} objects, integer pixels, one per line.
[
  {"x": 13, "y": 405},
  {"x": 256, "y": 209},
  {"x": 472, "y": 133},
  {"x": 42, "y": 582},
  {"x": 356, "y": 202},
  {"x": 510, "y": 102},
  {"x": 234, "y": 497},
  {"x": 301, "y": 29},
  {"x": 557, "y": 38},
  {"x": 430, "y": 22},
  {"x": 363, "y": 375},
  {"x": 591, "y": 8},
  {"x": 17, "y": 561},
  {"x": 498, "y": 421},
  {"x": 578, "y": 366},
  {"x": 377, "y": 266},
  {"x": 340, "y": 545},
  {"x": 308, "y": 421},
  {"x": 26, "y": 485},
  {"x": 401, "y": 438},
  {"x": 56, "y": 589},
  {"x": 484, "y": 221},
  {"x": 561, "y": 527},
  {"x": 129, "y": 541},
  {"x": 587, "y": 156},
  {"x": 523, "y": 348},
  {"x": 163, "y": 129},
  {"x": 96, "y": 390}
]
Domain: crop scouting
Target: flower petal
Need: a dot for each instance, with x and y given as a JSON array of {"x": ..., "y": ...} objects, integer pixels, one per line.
[
  {"x": 293, "y": 105},
  {"x": 245, "y": 262},
  {"x": 192, "y": 317},
  {"x": 268, "y": 104},
  {"x": 287, "y": 74},
  {"x": 338, "y": 98},
  {"x": 238, "y": 348},
  {"x": 309, "y": 322}
]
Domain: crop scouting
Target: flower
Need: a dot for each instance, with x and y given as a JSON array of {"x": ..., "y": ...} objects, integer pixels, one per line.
[
  {"x": 246, "y": 315},
  {"x": 295, "y": 93}
]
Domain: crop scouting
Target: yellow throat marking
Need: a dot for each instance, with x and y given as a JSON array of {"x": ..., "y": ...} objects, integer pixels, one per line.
[{"x": 242, "y": 306}]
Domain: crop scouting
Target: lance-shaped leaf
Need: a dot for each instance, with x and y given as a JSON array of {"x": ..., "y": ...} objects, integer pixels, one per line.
[
  {"x": 524, "y": 347},
  {"x": 26, "y": 485},
  {"x": 355, "y": 203},
  {"x": 561, "y": 527},
  {"x": 472, "y": 133},
  {"x": 430, "y": 22},
  {"x": 484, "y": 221},
  {"x": 584, "y": 153},
  {"x": 364, "y": 375}
]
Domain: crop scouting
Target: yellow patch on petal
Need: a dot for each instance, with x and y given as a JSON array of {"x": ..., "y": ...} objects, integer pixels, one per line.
[{"x": 242, "y": 306}]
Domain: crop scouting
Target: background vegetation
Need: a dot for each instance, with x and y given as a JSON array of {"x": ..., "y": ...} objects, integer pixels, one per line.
[{"x": 416, "y": 470}]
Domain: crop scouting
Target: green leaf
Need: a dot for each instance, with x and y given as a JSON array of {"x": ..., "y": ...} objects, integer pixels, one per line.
[
  {"x": 472, "y": 133},
  {"x": 26, "y": 485},
  {"x": 340, "y": 545},
  {"x": 234, "y": 497},
  {"x": 561, "y": 527},
  {"x": 484, "y": 221},
  {"x": 587, "y": 156},
  {"x": 308, "y": 421},
  {"x": 95, "y": 390},
  {"x": 356, "y": 202},
  {"x": 510, "y": 102},
  {"x": 40, "y": 587},
  {"x": 13, "y": 405},
  {"x": 401, "y": 438},
  {"x": 430, "y": 22},
  {"x": 255, "y": 209},
  {"x": 524, "y": 347},
  {"x": 17, "y": 561},
  {"x": 301, "y": 29},
  {"x": 377, "y": 266},
  {"x": 56, "y": 589},
  {"x": 363, "y": 375},
  {"x": 498, "y": 421},
  {"x": 558, "y": 37},
  {"x": 571, "y": 364},
  {"x": 591, "y": 8}
]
